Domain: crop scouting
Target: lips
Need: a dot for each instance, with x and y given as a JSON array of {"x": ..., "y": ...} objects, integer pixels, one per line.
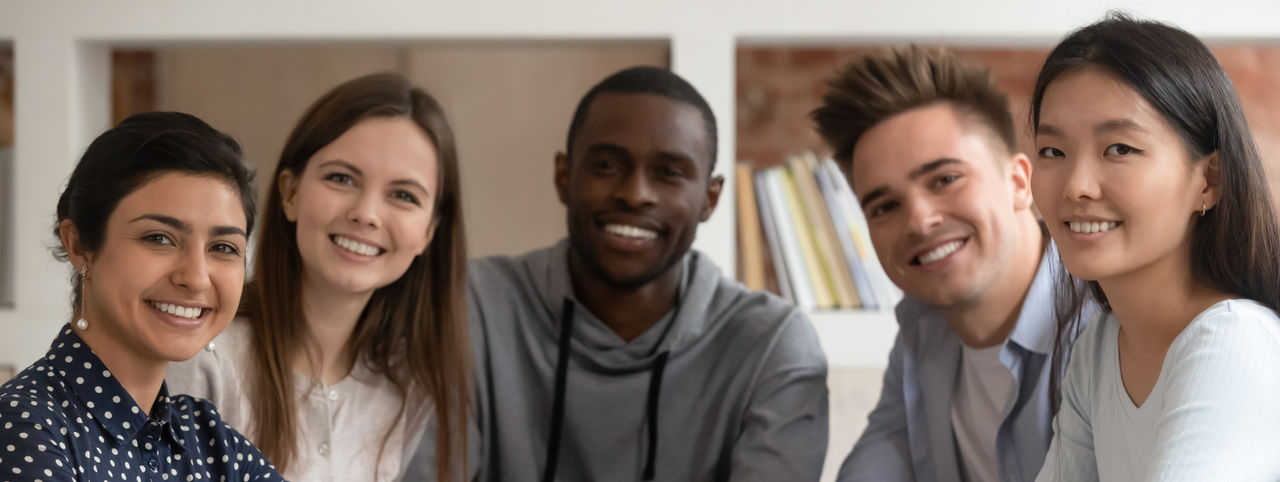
[
  {"x": 356, "y": 247},
  {"x": 190, "y": 312},
  {"x": 1090, "y": 227},
  {"x": 939, "y": 252}
]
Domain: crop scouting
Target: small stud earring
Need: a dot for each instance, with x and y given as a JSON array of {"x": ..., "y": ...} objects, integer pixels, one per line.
[
  {"x": 209, "y": 347},
  {"x": 83, "y": 324}
]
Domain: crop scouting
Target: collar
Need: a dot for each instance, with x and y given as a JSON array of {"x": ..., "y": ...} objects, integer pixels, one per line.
[{"x": 104, "y": 399}]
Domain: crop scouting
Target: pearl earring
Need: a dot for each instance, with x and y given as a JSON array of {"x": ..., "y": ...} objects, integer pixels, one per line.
[
  {"x": 209, "y": 347},
  {"x": 1203, "y": 209},
  {"x": 83, "y": 324}
]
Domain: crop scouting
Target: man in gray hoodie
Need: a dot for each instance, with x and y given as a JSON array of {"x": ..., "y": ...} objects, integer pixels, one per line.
[{"x": 619, "y": 354}]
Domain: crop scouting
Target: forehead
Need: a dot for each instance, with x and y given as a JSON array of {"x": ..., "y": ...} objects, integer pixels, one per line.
[
  {"x": 890, "y": 151},
  {"x": 644, "y": 124},
  {"x": 1091, "y": 95},
  {"x": 194, "y": 199},
  {"x": 395, "y": 147}
]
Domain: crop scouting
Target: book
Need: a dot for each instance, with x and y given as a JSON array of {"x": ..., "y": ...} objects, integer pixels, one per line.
[
  {"x": 788, "y": 235},
  {"x": 770, "y": 228},
  {"x": 886, "y": 293},
  {"x": 752, "y": 253},
  {"x": 840, "y": 220},
  {"x": 830, "y": 258},
  {"x": 818, "y": 280}
]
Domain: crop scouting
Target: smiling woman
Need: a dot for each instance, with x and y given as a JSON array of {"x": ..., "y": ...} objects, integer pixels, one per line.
[
  {"x": 352, "y": 334},
  {"x": 154, "y": 220}
]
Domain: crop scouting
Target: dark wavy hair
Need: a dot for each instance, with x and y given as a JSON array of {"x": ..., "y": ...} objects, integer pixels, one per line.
[
  {"x": 127, "y": 156},
  {"x": 1234, "y": 246}
]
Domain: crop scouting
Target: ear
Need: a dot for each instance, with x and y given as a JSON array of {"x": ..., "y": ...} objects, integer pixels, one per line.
[
  {"x": 288, "y": 185},
  {"x": 714, "y": 186},
  {"x": 70, "y": 237},
  {"x": 1211, "y": 187},
  {"x": 562, "y": 177},
  {"x": 1020, "y": 181}
]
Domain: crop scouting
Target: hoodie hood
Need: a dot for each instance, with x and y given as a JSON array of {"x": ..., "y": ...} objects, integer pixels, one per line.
[{"x": 595, "y": 342}]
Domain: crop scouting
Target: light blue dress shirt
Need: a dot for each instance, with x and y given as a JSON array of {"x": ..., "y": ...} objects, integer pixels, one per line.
[{"x": 909, "y": 435}]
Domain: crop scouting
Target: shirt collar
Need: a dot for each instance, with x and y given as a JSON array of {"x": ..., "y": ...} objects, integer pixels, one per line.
[
  {"x": 105, "y": 400},
  {"x": 1037, "y": 324}
]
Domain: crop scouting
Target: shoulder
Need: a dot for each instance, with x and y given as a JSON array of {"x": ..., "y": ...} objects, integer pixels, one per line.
[
  {"x": 35, "y": 407},
  {"x": 207, "y": 374},
  {"x": 763, "y": 319},
  {"x": 1237, "y": 329}
]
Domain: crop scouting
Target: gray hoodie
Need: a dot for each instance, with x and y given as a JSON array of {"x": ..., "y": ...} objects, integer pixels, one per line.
[{"x": 729, "y": 386}]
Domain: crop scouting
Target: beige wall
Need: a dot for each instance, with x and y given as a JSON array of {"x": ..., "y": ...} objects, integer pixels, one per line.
[{"x": 509, "y": 103}]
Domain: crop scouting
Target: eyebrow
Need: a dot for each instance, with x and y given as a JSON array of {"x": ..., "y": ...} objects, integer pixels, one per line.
[
  {"x": 181, "y": 225},
  {"x": 1103, "y": 127},
  {"x": 913, "y": 175}
]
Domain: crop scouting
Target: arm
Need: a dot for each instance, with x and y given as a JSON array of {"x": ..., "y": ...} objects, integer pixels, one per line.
[
  {"x": 1220, "y": 419},
  {"x": 255, "y": 467},
  {"x": 30, "y": 449},
  {"x": 785, "y": 427},
  {"x": 882, "y": 452}
]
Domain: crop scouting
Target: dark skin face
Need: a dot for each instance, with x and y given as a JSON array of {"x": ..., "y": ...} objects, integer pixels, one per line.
[{"x": 635, "y": 185}]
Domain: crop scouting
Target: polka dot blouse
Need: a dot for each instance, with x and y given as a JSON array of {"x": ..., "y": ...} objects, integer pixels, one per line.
[{"x": 67, "y": 418}]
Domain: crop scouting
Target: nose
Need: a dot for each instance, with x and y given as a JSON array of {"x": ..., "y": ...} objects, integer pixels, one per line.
[
  {"x": 192, "y": 271},
  {"x": 922, "y": 216},
  {"x": 364, "y": 210},
  {"x": 636, "y": 189},
  {"x": 1081, "y": 182}
]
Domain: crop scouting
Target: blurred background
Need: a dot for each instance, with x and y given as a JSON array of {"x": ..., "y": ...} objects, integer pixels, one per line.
[{"x": 509, "y": 74}]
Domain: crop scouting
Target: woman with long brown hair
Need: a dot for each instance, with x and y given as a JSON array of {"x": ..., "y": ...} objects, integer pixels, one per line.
[{"x": 352, "y": 332}]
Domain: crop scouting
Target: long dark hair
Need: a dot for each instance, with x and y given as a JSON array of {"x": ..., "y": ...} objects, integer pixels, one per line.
[
  {"x": 413, "y": 330},
  {"x": 1234, "y": 245},
  {"x": 124, "y": 158}
]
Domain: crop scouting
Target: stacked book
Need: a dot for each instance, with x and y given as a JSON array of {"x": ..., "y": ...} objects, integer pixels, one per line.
[{"x": 802, "y": 236}]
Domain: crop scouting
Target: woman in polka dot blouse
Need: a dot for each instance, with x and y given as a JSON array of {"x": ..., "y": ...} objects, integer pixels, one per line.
[{"x": 154, "y": 220}]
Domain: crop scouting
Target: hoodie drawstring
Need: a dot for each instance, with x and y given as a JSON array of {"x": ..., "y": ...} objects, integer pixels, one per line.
[
  {"x": 562, "y": 379},
  {"x": 651, "y": 411}
]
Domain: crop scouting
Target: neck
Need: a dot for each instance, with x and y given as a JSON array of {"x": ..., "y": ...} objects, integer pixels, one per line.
[
  {"x": 629, "y": 312},
  {"x": 140, "y": 377},
  {"x": 1155, "y": 302},
  {"x": 331, "y": 317},
  {"x": 987, "y": 321}
]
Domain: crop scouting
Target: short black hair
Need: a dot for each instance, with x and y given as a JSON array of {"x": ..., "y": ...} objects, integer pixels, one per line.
[{"x": 644, "y": 79}]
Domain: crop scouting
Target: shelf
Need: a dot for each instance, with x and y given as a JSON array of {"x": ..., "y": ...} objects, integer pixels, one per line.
[{"x": 856, "y": 338}]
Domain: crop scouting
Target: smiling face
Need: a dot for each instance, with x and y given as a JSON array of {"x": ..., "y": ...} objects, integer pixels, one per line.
[
  {"x": 168, "y": 276},
  {"x": 1113, "y": 180},
  {"x": 635, "y": 186},
  {"x": 942, "y": 201},
  {"x": 363, "y": 205}
]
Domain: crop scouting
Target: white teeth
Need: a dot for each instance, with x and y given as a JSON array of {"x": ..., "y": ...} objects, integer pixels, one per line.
[
  {"x": 356, "y": 246},
  {"x": 630, "y": 231},
  {"x": 180, "y": 311},
  {"x": 940, "y": 252},
  {"x": 1092, "y": 227}
]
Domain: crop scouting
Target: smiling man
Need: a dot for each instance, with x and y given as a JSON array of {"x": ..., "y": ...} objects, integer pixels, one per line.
[
  {"x": 929, "y": 148},
  {"x": 621, "y": 355}
]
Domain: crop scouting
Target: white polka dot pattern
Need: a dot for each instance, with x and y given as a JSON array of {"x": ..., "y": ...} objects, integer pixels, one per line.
[{"x": 66, "y": 418}]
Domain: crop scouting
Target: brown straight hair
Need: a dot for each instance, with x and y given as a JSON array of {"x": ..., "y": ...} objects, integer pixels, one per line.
[{"x": 413, "y": 330}]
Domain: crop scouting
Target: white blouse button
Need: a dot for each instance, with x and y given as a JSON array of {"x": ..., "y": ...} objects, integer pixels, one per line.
[{"x": 324, "y": 449}]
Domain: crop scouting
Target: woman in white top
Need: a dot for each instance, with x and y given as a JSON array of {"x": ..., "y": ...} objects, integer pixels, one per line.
[
  {"x": 352, "y": 333},
  {"x": 1152, "y": 188}
]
